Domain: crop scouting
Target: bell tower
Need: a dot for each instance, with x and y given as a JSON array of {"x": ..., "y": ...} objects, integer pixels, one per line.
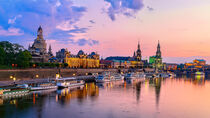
[
  {"x": 158, "y": 52},
  {"x": 138, "y": 53},
  {"x": 50, "y": 51}
]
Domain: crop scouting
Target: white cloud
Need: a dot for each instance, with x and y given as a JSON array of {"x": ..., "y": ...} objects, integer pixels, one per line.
[
  {"x": 58, "y": 3},
  {"x": 65, "y": 26},
  {"x": 10, "y": 32},
  {"x": 125, "y": 7},
  {"x": 12, "y": 21}
]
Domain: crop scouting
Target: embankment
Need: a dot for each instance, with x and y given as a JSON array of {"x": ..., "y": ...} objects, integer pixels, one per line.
[{"x": 26, "y": 74}]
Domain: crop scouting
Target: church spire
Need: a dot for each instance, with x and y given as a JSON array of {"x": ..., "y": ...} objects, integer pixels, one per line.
[
  {"x": 158, "y": 53},
  {"x": 138, "y": 52},
  {"x": 39, "y": 32},
  {"x": 134, "y": 54},
  {"x": 29, "y": 46},
  {"x": 50, "y": 51}
]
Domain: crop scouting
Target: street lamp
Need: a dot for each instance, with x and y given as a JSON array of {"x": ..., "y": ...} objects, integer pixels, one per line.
[
  {"x": 37, "y": 76},
  {"x": 11, "y": 77},
  {"x": 57, "y": 76},
  {"x": 14, "y": 79}
]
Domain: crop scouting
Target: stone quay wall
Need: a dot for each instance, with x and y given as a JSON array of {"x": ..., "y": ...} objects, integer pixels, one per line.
[{"x": 27, "y": 74}]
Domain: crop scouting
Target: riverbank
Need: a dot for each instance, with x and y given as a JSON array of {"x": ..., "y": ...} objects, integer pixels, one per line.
[
  {"x": 88, "y": 78},
  {"x": 27, "y": 74}
]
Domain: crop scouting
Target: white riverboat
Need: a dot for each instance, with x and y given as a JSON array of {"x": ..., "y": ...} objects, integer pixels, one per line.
[
  {"x": 199, "y": 73},
  {"x": 140, "y": 75},
  {"x": 104, "y": 78},
  {"x": 42, "y": 86},
  {"x": 118, "y": 77},
  {"x": 130, "y": 76},
  {"x": 69, "y": 82},
  {"x": 12, "y": 91}
]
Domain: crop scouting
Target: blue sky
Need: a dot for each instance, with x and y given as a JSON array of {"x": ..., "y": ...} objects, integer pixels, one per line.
[
  {"x": 112, "y": 27},
  {"x": 19, "y": 19}
]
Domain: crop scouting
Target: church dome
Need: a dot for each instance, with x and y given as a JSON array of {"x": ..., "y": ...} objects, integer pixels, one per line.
[
  {"x": 81, "y": 52},
  {"x": 93, "y": 53}
]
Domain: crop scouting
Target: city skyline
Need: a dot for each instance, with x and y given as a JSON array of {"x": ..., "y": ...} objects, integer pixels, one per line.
[{"x": 112, "y": 27}]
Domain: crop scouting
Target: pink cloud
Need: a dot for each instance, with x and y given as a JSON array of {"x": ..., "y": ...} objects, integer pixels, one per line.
[{"x": 10, "y": 32}]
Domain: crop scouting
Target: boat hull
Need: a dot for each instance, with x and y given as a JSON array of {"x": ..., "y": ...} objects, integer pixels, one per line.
[
  {"x": 102, "y": 81},
  {"x": 66, "y": 85},
  {"x": 42, "y": 88},
  {"x": 14, "y": 93}
]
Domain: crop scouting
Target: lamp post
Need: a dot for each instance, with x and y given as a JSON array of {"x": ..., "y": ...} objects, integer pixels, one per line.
[{"x": 14, "y": 79}]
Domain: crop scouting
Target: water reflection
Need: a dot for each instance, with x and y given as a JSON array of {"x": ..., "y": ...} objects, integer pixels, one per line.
[
  {"x": 156, "y": 84},
  {"x": 64, "y": 96},
  {"x": 138, "y": 91},
  {"x": 169, "y": 97},
  {"x": 157, "y": 90}
]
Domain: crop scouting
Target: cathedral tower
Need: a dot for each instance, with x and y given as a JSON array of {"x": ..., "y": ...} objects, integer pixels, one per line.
[
  {"x": 50, "y": 51},
  {"x": 158, "y": 52},
  {"x": 138, "y": 53},
  {"x": 38, "y": 49}
]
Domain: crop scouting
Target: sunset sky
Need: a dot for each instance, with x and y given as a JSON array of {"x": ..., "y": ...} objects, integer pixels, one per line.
[{"x": 112, "y": 27}]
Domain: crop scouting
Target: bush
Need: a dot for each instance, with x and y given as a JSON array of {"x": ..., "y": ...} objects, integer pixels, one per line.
[
  {"x": 65, "y": 65},
  {"x": 57, "y": 64},
  {"x": 47, "y": 64},
  {"x": 52, "y": 65}
]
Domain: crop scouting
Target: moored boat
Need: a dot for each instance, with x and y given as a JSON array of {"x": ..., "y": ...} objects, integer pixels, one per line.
[
  {"x": 129, "y": 76},
  {"x": 42, "y": 86},
  {"x": 69, "y": 82},
  {"x": 103, "y": 78},
  {"x": 118, "y": 77},
  {"x": 199, "y": 73},
  {"x": 12, "y": 91}
]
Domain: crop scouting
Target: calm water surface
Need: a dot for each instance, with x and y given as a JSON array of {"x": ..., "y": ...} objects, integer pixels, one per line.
[{"x": 156, "y": 98}]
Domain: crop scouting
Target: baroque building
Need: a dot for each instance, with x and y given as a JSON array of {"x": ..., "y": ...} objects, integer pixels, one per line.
[
  {"x": 137, "y": 54},
  {"x": 81, "y": 60},
  {"x": 156, "y": 61},
  {"x": 38, "y": 49},
  {"x": 128, "y": 62}
]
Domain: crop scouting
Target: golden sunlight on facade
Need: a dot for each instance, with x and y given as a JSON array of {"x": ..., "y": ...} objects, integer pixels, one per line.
[
  {"x": 197, "y": 63},
  {"x": 81, "y": 60}
]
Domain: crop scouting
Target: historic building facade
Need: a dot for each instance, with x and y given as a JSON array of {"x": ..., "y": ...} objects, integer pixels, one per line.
[
  {"x": 196, "y": 64},
  {"x": 156, "y": 61},
  {"x": 128, "y": 62},
  {"x": 38, "y": 49},
  {"x": 81, "y": 60}
]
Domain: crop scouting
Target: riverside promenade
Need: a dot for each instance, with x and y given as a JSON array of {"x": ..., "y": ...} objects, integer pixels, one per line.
[
  {"x": 24, "y": 76},
  {"x": 88, "y": 78},
  {"x": 40, "y": 73}
]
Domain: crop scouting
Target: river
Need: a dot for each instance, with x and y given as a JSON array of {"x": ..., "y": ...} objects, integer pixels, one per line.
[{"x": 155, "y": 98}]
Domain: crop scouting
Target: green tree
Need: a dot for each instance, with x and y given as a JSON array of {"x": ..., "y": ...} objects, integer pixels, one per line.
[
  {"x": 46, "y": 64},
  {"x": 57, "y": 65},
  {"x": 2, "y": 56},
  {"x": 11, "y": 52},
  {"x": 23, "y": 59},
  {"x": 52, "y": 65},
  {"x": 65, "y": 65}
]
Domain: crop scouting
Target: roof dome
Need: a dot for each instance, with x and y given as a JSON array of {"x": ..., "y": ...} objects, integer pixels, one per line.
[
  {"x": 81, "y": 52},
  {"x": 93, "y": 53}
]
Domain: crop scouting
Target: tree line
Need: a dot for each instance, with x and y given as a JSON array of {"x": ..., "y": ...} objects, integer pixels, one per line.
[
  {"x": 13, "y": 55},
  {"x": 16, "y": 56}
]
